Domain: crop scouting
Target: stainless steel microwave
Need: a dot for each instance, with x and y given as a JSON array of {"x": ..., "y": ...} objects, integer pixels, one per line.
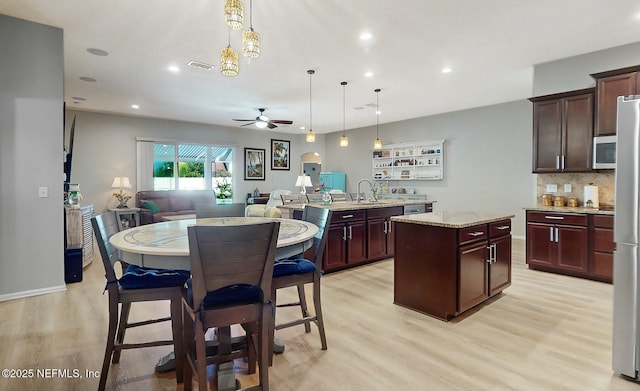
[{"x": 604, "y": 152}]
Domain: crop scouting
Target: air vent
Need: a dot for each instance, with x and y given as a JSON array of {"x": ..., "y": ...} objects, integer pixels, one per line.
[{"x": 200, "y": 65}]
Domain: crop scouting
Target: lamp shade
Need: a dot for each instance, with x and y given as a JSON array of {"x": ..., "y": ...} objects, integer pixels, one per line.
[
  {"x": 303, "y": 180},
  {"x": 121, "y": 182}
]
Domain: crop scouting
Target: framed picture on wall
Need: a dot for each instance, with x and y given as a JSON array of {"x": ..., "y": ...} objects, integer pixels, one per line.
[
  {"x": 254, "y": 164},
  {"x": 280, "y": 155}
]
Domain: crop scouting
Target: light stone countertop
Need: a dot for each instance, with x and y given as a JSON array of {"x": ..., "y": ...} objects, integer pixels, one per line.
[
  {"x": 452, "y": 219},
  {"x": 352, "y": 205},
  {"x": 567, "y": 209}
]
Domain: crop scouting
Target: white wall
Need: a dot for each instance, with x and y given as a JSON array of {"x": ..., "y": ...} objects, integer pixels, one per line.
[{"x": 31, "y": 156}]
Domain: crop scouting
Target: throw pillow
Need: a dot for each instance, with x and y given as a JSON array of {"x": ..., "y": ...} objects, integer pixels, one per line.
[{"x": 151, "y": 206}]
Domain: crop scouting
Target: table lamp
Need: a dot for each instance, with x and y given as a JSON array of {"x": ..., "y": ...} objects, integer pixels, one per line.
[
  {"x": 303, "y": 181},
  {"x": 121, "y": 182}
]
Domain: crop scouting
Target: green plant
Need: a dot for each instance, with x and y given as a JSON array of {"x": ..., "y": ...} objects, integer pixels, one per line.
[{"x": 224, "y": 189}]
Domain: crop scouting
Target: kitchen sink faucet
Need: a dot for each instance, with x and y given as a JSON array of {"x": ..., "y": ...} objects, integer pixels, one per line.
[{"x": 370, "y": 189}]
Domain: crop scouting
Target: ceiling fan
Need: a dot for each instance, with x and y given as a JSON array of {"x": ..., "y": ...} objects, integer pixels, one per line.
[{"x": 262, "y": 121}]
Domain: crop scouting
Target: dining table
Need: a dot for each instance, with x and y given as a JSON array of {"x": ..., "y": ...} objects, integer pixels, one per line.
[{"x": 165, "y": 245}]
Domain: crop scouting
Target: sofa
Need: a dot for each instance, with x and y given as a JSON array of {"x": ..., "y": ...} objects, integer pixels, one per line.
[
  {"x": 270, "y": 209},
  {"x": 156, "y": 204}
]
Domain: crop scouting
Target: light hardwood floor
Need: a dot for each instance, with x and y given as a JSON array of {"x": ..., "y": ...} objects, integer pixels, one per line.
[{"x": 545, "y": 332}]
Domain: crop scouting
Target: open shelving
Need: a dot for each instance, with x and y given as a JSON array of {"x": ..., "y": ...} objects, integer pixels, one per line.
[{"x": 421, "y": 160}]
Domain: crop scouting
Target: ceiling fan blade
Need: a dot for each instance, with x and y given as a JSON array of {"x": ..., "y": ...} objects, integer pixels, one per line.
[
  {"x": 250, "y": 123},
  {"x": 282, "y": 121},
  {"x": 243, "y": 119},
  {"x": 271, "y": 125}
]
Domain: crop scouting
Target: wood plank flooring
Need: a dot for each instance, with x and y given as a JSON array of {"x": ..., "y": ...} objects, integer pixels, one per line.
[{"x": 545, "y": 332}]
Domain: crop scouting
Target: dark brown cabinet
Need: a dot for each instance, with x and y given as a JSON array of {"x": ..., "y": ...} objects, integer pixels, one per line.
[
  {"x": 557, "y": 242},
  {"x": 380, "y": 243},
  {"x": 609, "y": 86},
  {"x": 346, "y": 241},
  {"x": 563, "y": 132},
  {"x": 602, "y": 246}
]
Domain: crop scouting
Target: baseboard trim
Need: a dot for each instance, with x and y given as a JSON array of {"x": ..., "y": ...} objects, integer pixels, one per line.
[
  {"x": 518, "y": 237},
  {"x": 33, "y": 292}
]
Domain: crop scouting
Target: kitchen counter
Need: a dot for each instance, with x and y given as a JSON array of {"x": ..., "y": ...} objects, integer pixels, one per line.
[
  {"x": 453, "y": 219},
  {"x": 354, "y": 205},
  {"x": 566, "y": 209}
]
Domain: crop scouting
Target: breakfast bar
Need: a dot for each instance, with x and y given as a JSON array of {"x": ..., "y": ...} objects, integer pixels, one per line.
[{"x": 449, "y": 262}]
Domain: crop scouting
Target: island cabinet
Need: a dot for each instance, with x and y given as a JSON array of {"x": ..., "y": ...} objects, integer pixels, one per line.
[
  {"x": 563, "y": 132},
  {"x": 445, "y": 270},
  {"x": 558, "y": 242},
  {"x": 609, "y": 86},
  {"x": 380, "y": 242},
  {"x": 602, "y": 246},
  {"x": 346, "y": 240}
]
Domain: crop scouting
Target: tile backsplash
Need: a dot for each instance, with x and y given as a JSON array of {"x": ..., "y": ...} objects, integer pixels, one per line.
[{"x": 604, "y": 180}]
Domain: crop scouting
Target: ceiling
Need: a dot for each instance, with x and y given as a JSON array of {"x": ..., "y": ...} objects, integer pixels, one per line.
[{"x": 490, "y": 45}]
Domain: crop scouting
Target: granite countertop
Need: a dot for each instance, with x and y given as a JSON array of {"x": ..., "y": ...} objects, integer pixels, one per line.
[
  {"x": 352, "y": 205},
  {"x": 567, "y": 209},
  {"x": 452, "y": 219}
]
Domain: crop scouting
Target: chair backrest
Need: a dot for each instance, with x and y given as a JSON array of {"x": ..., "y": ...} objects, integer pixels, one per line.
[
  {"x": 220, "y": 210},
  {"x": 227, "y": 255},
  {"x": 355, "y": 196},
  {"x": 291, "y": 199},
  {"x": 314, "y": 197},
  {"x": 338, "y": 196},
  {"x": 104, "y": 226},
  {"x": 322, "y": 218}
]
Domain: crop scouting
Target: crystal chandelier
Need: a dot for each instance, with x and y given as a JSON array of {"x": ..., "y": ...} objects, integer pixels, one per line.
[
  {"x": 229, "y": 60},
  {"x": 344, "y": 140},
  {"x": 377, "y": 143},
  {"x": 311, "y": 137},
  {"x": 250, "y": 39},
  {"x": 233, "y": 14}
]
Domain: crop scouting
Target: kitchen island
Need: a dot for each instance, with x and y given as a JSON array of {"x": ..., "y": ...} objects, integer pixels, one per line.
[
  {"x": 449, "y": 262},
  {"x": 359, "y": 232}
]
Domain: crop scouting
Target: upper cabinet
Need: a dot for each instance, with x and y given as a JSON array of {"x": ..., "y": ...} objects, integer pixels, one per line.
[
  {"x": 610, "y": 85},
  {"x": 563, "y": 132}
]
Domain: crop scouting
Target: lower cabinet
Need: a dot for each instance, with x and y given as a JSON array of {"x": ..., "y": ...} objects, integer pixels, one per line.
[
  {"x": 346, "y": 241},
  {"x": 601, "y": 239},
  {"x": 380, "y": 232}
]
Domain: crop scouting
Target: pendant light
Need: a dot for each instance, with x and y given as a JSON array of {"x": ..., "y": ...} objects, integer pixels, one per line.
[
  {"x": 229, "y": 60},
  {"x": 250, "y": 39},
  {"x": 311, "y": 137},
  {"x": 233, "y": 14},
  {"x": 344, "y": 140},
  {"x": 377, "y": 143}
]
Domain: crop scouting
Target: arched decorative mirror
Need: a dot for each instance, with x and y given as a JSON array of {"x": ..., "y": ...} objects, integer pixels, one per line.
[{"x": 311, "y": 164}]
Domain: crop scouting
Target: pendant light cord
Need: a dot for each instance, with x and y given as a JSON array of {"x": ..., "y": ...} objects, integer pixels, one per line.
[
  {"x": 344, "y": 105},
  {"x": 377, "y": 112}
]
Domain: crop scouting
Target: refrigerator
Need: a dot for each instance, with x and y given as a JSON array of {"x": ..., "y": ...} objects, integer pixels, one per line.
[{"x": 625, "y": 354}]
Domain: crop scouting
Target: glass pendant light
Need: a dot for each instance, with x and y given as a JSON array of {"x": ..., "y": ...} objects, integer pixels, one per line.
[
  {"x": 229, "y": 60},
  {"x": 250, "y": 39},
  {"x": 344, "y": 140},
  {"x": 377, "y": 143},
  {"x": 233, "y": 14},
  {"x": 311, "y": 137}
]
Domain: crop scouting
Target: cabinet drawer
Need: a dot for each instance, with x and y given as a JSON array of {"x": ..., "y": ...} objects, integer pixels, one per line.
[
  {"x": 558, "y": 218},
  {"x": 500, "y": 228},
  {"x": 603, "y": 221},
  {"x": 384, "y": 212},
  {"x": 348, "y": 215},
  {"x": 472, "y": 234},
  {"x": 603, "y": 240}
]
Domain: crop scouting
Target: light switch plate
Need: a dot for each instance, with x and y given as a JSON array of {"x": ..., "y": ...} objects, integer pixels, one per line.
[
  {"x": 552, "y": 188},
  {"x": 567, "y": 188},
  {"x": 43, "y": 192}
]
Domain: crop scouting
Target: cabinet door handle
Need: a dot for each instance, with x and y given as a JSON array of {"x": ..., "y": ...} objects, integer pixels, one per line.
[
  {"x": 488, "y": 254},
  {"x": 562, "y": 159},
  {"x": 554, "y": 217},
  {"x": 495, "y": 252},
  {"x": 390, "y": 227},
  {"x": 551, "y": 234},
  {"x": 476, "y": 233},
  {"x": 503, "y": 227},
  {"x": 556, "y": 235},
  {"x": 385, "y": 228},
  {"x": 347, "y": 216},
  {"x": 344, "y": 233},
  {"x": 350, "y": 233},
  {"x": 557, "y": 162}
]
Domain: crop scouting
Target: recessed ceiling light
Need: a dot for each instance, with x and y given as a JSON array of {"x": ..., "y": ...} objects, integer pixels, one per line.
[
  {"x": 302, "y": 128},
  {"x": 88, "y": 79},
  {"x": 366, "y": 36},
  {"x": 446, "y": 70},
  {"x": 135, "y": 107},
  {"x": 173, "y": 68},
  {"x": 98, "y": 52},
  {"x": 378, "y": 112},
  {"x": 368, "y": 74}
]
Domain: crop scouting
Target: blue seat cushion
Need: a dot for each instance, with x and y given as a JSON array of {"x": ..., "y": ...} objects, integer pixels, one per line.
[
  {"x": 287, "y": 267},
  {"x": 138, "y": 277},
  {"x": 229, "y": 295}
]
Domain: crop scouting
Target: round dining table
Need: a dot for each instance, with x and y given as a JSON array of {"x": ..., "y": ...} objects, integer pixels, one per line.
[{"x": 165, "y": 245}]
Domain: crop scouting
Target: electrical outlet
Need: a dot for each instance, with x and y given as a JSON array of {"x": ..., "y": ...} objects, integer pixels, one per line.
[
  {"x": 43, "y": 192},
  {"x": 567, "y": 188},
  {"x": 552, "y": 188}
]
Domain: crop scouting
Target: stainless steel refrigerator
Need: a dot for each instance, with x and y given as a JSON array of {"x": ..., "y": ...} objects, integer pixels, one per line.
[{"x": 626, "y": 347}]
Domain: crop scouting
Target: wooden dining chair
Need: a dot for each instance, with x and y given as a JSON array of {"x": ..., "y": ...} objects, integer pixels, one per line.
[
  {"x": 220, "y": 210},
  {"x": 314, "y": 198},
  {"x": 338, "y": 196},
  {"x": 136, "y": 284},
  {"x": 232, "y": 268},
  {"x": 298, "y": 272}
]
